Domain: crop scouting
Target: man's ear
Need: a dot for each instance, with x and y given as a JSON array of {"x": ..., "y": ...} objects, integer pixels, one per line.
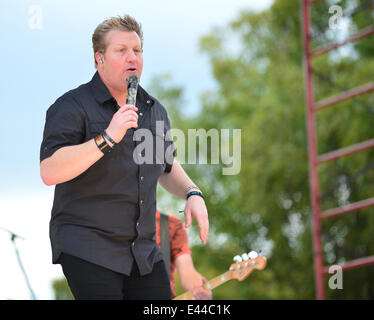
[{"x": 99, "y": 57}]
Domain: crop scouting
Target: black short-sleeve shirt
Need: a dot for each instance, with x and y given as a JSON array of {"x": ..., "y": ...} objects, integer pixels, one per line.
[{"x": 106, "y": 215}]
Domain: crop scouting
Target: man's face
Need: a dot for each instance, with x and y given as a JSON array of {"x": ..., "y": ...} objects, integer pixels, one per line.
[{"x": 122, "y": 58}]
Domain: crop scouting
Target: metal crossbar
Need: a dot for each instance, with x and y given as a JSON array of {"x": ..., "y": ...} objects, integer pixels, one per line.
[
  {"x": 339, "y": 87},
  {"x": 314, "y": 160}
]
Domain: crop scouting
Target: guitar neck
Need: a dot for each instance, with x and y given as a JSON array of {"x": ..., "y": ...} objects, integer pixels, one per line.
[
  {"x": 211, "y": 284},
  {"x": 239, "y": 270},
  {"x": 217, "y": 281}
]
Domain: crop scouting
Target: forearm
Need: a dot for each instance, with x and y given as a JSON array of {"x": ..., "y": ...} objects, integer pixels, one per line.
[
  {"x": 190, "y": 280},
  {"x": 188, "y": 275},
  {"x": 69, "y": 162},
  {"x": 177, "y": 181}
]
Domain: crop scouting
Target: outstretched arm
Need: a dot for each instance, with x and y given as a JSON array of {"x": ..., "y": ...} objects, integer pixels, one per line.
[{"x": 176, "y": 182}]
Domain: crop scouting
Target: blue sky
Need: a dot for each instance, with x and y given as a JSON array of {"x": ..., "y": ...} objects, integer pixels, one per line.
[{"x": 39, "y": 65}]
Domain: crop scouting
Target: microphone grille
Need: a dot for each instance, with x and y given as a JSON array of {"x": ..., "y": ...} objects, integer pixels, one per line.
[{"x": 132, "y": 79}]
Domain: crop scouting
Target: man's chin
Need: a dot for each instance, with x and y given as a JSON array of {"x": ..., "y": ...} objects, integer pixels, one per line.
[{"x": 128, "y": 73}]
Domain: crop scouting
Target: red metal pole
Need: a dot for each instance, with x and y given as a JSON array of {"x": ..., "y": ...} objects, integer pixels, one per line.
[
  {"x": 369, "y": 87},
  {"x": 332, "y": 155},
  {"x": 312, "y": 151},
  {"x": 359, "y": 35},
  {"x": 361, "y": 262},
  {"x": 348, "y": 208}
]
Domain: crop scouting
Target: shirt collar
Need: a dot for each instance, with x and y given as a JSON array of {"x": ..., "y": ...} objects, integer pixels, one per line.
[
  {"x": 102, "y": 94},
  {"x": 99, "y": 89}
]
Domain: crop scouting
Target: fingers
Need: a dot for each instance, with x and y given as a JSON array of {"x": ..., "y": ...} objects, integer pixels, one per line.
[
  {"x": 127, "y": 116},
  {"x": 127, "y": 113},
  {"x": 187, "y": 214},
  {"x": 196, "y": 207},
  {"x": 203, "y": 236},
  {"x": 200, "y": 293},
  {"x": 195, "y": 293},
  {"x": 127, "y": 107},
  {"x": 203, "y": 223},
  {"x": 131, "y": 124}
]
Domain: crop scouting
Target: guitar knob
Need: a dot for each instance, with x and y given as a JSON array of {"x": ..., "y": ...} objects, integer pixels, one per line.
[
  {"x": 238, "y": 258},
  {"x": 252, "y": 254},
  {"x": 245, "y": 256}
]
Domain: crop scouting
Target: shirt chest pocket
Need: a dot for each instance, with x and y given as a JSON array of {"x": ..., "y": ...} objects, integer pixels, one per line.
[
  {"x": 150, "y": 148},
  {"x": 159, "y": 145}
]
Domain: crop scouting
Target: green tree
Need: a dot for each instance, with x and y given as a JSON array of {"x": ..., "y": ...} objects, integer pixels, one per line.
[{"x": 257, "y": 63}]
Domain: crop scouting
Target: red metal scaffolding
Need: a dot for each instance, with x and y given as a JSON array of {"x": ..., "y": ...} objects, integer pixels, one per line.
[{"x": 314, "y": 159}]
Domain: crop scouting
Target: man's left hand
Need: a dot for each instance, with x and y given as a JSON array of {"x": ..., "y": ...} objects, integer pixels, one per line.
[
  {"x": 195, "y": 207},
  {"x": 201, "y": 293}
]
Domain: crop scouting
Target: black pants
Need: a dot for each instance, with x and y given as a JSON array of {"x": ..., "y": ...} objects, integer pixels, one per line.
[{"x": 88, "y": 281}]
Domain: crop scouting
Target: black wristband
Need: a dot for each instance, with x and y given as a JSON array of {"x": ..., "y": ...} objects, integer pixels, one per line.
[
  {"x": 191, "y": 187},
  {"x": 102, "y": 144},
  {"x": 107, "y": 137},
  {"x": 195, "y": 193}
]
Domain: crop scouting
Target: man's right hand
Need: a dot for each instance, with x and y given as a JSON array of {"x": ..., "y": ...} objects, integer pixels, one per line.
[
  {"x": 70, "y": 161},
  {"x": 125, "y": 118}
]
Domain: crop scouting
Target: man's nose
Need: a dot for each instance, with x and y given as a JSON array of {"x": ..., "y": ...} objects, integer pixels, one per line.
[{"x": 130, "y": 55}]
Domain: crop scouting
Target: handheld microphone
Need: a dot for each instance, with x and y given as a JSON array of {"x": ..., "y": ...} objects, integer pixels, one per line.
[{"x": 132, "y": 87}]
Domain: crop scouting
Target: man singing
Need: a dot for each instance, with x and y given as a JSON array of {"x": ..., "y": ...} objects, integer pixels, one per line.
[{"x": 102, "y": 227}]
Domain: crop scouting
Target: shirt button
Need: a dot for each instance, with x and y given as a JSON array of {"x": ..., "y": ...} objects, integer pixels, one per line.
[
  {"x": 137, "y": 224},
  {"x": 148, "y": 101},
  {"x": 133, "y": 244},
  {"x": 141, "y": 178},
  {"x": 141, "y": 201},
  {"x": 140, "y": 113}
]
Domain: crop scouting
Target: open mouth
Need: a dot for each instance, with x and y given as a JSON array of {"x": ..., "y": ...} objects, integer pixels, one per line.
[{"x": 131, "y": 69}]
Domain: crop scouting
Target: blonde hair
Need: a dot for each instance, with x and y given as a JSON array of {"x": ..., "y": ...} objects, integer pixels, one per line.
[{"x": 125, "y": 23}]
